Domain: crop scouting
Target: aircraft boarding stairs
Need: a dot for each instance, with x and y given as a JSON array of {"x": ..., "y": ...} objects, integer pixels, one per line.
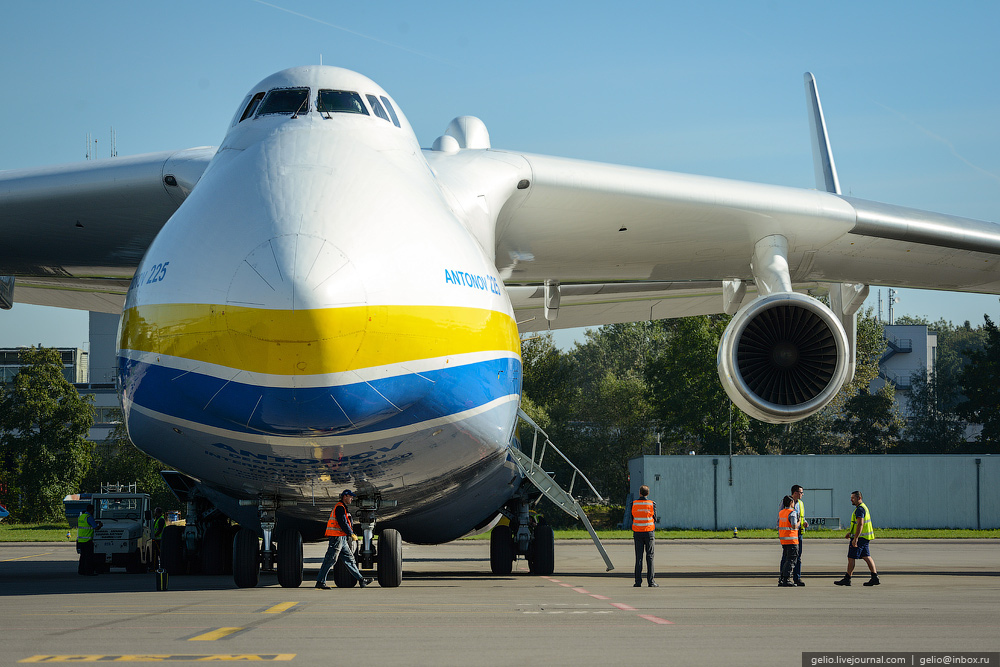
[{"x": 563, "y": 499}]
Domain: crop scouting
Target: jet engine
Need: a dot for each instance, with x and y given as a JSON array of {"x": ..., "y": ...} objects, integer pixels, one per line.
[{"x": 783, "y": 357}]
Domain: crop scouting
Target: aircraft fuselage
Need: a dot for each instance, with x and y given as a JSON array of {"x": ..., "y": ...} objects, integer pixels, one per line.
[{"x": 315, "y": 317}]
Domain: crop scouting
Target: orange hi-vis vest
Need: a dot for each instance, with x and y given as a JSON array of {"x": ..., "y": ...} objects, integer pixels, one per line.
[
  {"x": 333, "y": 528},
  {"x": 786, "y": 533},
  {"x": 642, "y": 516}
]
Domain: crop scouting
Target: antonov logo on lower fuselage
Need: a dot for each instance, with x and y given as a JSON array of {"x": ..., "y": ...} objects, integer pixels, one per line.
[{"x": 471, "y": 280}]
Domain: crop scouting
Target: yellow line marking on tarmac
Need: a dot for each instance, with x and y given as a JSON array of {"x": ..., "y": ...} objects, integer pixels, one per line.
[
  {"x": 7, "y": 560},
  {"x": 214, "y": 634},
  {"x": 278, "y": 608},
  {"x": 164, "y": 657}
]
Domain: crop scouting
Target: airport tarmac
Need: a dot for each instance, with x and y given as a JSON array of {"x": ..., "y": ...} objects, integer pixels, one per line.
[{"x": 717, "y": 604}]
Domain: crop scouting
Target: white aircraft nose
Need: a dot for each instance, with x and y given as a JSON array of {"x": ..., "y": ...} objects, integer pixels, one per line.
[{"x": 296, "y": 272}]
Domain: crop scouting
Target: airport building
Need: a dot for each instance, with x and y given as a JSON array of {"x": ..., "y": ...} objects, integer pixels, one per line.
[
  {"x": 910, "y": 350},
  {"x": 75, "y": 363},
  {"x": 902, "y": 491}
]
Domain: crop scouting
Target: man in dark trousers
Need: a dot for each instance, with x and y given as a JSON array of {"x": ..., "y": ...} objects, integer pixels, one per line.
[
  {"x": 159, "y": 523},
  {"x": 86, "y": 525},
  {"x": 788, "y": 534},
  {"x": 800, "y": 509},
  {"x": 340, "y": 530},
  {"x": 643, "y": 518}
]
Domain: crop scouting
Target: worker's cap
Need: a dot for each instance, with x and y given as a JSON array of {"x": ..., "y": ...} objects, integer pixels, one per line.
[{"x": 347, "y": 492}]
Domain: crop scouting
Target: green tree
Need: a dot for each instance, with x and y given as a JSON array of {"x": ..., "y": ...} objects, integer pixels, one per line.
[
  {"x": 687, "y": 398},
  {"x": 931, "y": 428},
  {"x": 547, "y": 376},
  {"x": 619, "y": 427},
  {"x": 116, "y": 459},
  {"x": 43, "y": 437},
  {"x": 981, "y": 383},
  {"x": 871, "y": 422}
]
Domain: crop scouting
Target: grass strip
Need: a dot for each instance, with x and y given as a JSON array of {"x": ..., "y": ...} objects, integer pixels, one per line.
[{"x": 53, "y": 532}]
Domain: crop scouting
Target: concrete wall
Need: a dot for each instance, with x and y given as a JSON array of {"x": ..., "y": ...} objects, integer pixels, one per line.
[
  {"x": 103, "y": 348},
  {"x": 901, "y": 491}
]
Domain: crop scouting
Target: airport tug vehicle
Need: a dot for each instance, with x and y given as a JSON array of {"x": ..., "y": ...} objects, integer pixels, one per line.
[{"x": 125, "y": 536}]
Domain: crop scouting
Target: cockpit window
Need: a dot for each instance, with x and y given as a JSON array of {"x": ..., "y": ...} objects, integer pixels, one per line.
[
  {"x": 392, "y": 112},
  {"x": 286, "y": 101},
  {"x": 377, "y": 108},
  {"x": 251, "y": 106},
  {"x": 340, "y": 101}
]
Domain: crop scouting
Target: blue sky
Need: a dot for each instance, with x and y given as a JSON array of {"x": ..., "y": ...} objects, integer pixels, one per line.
[{"x": 909, "y": 90}]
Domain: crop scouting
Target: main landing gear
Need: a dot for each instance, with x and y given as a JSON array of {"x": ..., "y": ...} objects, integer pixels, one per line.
[
  {"x": 384, "y": 556},
  {"x": 251, "y": 555},
  {"x": 523, "y": 535}
]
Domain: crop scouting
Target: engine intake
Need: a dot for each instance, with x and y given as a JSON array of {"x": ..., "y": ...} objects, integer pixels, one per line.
[{"x": 783, "y": 357}]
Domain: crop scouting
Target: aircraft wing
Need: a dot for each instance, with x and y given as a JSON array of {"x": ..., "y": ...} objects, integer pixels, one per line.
[
  {"x": 633, "y": 237},
  {"x": 72, "y": 235}
]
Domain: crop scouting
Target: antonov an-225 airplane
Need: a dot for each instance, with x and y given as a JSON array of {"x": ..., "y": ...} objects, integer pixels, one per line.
[{"x": 320, "y": 304}]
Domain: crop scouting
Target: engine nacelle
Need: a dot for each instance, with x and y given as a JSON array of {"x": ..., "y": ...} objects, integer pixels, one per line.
[{"x": 783, "y": 357}]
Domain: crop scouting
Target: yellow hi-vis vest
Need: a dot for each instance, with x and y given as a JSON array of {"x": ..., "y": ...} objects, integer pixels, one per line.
[
  {"x": 84, "y": 533},
  {"x": 158, "y": 527},
  {"x": 802, "y": 514},
  {"x": 642, "y": 516},
  {"x": 786, "y": 533},
  {"x": 868, "y": 530}
]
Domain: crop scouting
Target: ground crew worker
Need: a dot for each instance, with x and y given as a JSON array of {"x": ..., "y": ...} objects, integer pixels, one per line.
[
  {"x": 643, "y": 516},
  {"x": 800, "y": 508},
  {"x": 788, "y": 534},
  {"x": 340, "y": 530},
  {"x": 86, "y": 525},
  {"x": 861, "y": 532},
  {"x": 159, "y": 523}
]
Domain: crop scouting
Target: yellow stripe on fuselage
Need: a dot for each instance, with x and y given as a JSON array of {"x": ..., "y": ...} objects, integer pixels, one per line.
[{"x": 317, "y": 341}]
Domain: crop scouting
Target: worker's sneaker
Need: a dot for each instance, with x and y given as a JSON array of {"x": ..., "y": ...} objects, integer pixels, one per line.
[
  {"x": 637, "y": 584},
  {"x": 653, "y": 584},
  {"x": 365, "y": 581},
  {"x": 321, "y": 585},
  {"x": 799, "y": 582},
  {"x": 786, "y": 584},
  {"x": 873, "y": 581},
  {"x": 846, "y": 581}
]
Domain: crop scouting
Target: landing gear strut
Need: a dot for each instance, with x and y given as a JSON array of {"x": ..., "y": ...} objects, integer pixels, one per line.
[
  {"x": 386, "y": 555},
  {"x": 524, "y": 535},
  {"x": 251, "y": 556}
]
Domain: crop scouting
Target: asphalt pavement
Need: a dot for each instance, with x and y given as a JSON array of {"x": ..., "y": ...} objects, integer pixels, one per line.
[{"x": 717, "y": 604}]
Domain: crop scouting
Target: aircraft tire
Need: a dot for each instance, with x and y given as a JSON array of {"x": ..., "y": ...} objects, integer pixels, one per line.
[
  {"x": 543, "y": 561},
  {"x": 172, "y": 550},
  {"x": 390, "y": 559},
  {"x": 342, "y": 577},
  {"x": 213, "y": 550},
  {"x": 501, "y": 550},
  {"x": 289, "y": 558},
  {"x": 246, "y": 558}
]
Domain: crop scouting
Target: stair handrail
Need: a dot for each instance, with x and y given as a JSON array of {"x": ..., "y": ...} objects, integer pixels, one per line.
[{"x": 576, "y": 471}]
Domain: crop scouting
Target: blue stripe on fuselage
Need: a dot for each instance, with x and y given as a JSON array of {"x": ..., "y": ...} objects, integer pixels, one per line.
[{"x": 362, "y": 407}]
